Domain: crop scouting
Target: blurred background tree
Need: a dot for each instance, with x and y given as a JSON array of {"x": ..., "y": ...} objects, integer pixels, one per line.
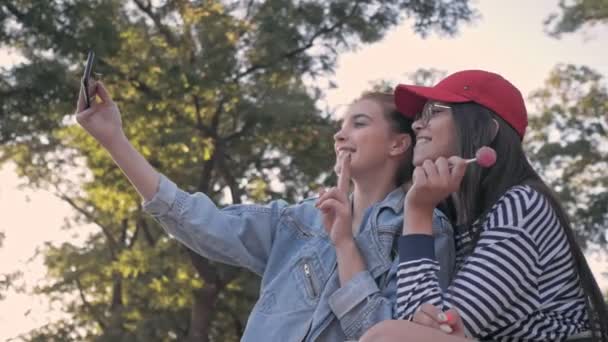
[
  {"x": 568, "y": 141},
  {"x": 221, "y": 96},
  {"x": 8, "y": 280},
  {"x": 575, "y": 15}
]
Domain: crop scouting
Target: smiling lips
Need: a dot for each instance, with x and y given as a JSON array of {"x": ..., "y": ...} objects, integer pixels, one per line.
[
  {"x": 345, "y": 149},
  {"x": 421, "y": 139}
]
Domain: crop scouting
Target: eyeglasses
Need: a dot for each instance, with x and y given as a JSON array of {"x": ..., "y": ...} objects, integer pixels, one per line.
[{"x": 430, "y": 109}]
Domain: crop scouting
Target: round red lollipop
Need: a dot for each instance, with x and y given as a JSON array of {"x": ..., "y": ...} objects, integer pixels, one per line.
[{"x": 485, "y": 156}]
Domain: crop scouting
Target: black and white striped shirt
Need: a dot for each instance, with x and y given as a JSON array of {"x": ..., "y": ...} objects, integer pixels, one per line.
[{"x": 517, "y": 284}]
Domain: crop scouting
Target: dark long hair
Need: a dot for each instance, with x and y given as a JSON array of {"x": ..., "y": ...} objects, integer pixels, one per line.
[
  {"x": 481, "y": 189},
  {"x": 399, "y": 124}
]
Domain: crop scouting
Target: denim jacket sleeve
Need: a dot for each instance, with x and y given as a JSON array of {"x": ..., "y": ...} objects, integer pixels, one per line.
[
  {"x": 239, "y": 235},
  {"x": 445, "y": 250},
  {"x": 360, "y": 303}
]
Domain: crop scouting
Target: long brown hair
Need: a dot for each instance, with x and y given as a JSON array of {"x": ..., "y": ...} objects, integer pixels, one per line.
[
  {"x": 481, "y": 188},
  {"x": 399, "y": 124}
]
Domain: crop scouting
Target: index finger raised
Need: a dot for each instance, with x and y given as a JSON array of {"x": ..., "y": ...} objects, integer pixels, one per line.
[{"x": 344, "y": 176}]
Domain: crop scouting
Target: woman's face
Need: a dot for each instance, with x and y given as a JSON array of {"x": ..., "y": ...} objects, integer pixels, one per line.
[
  {"x": 366, "y": 134},
  {"x": 435, "y": 133}
]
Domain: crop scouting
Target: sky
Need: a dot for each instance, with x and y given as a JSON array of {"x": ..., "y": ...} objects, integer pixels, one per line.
[{"x": 508, "y": 39}]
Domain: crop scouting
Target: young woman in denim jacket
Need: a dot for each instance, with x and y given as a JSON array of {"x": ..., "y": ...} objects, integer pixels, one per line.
[{"x": 328, "y": 268}]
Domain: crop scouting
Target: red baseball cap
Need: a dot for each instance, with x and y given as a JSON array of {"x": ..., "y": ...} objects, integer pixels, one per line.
[{"x": 482, "y": 87}]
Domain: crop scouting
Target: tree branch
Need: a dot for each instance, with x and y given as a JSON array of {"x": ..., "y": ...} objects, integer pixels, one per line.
[
  {"x": 112, "y": 244},
  {"x": 87, "y": 304},
  {"x": 116, "y": 292},
  {"x": 296, "y": 51},
  {"x": 164, "y": 30},
  {"x": 123, "y": 233},
  {"x": 203, "y": 267},
  {"x": 204, "y": 183},
  {"x": 235, "y": 191},
  {"x": 149, "y": 238},
  {"x": 134, "y": 236},
  {"x": 199, "y": 118},
  {"x": 248, "y": 12},
  {"x": 20, "y": 16}
]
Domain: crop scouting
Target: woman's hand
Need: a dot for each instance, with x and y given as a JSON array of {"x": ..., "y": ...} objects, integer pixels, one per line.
[
  {"x": 434, "y": 181},
  {"x": 102, "y": 119},
  {"x": 449, "y": 322},
  {"x": 335, "y": 205},
  {"x": 431, "y": 183}
]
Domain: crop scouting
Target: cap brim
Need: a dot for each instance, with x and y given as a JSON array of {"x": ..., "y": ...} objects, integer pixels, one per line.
[{"x": 410, "y": 99}]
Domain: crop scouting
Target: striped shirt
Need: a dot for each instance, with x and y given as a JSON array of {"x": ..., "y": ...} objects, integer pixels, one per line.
[{"x": 518, "y": 283}]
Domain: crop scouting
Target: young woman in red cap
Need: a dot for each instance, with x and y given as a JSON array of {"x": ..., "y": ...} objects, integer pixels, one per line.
[{"x": 520, "y": 274}]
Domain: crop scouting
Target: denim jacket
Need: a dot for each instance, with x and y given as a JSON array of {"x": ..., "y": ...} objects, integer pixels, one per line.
[{"x": 300, "y": 296}]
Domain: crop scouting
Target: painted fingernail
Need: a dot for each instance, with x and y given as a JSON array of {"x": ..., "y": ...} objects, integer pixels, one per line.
[
  {"x": 442, "y": 317},
  {"x": 449, "y": 317},
  {"x": 446, "y": 328}
]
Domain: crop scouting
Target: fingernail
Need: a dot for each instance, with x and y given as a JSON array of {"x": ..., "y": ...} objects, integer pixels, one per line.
[
  {"x": 442, "y": 317},
  {"x": 446, "y": 328},
  {"x": 448, "y": 317}
]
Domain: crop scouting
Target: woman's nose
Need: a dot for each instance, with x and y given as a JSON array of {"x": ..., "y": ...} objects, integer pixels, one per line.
[
  {"x": 418, "y": 125},
  {"x": 339, "y": 136}
]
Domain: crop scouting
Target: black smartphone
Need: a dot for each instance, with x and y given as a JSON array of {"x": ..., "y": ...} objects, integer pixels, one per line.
[{"x": 86, "y": 76}]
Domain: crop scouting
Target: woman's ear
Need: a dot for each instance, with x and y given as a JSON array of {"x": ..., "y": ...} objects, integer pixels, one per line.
[{"x": 401, "y": 144}]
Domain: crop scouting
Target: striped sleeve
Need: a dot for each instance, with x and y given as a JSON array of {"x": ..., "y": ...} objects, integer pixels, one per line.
[{"x": 496, "y": 287}]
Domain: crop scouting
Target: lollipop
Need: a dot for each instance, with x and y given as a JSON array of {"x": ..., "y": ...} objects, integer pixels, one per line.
[{"x": 485, "y": 157}]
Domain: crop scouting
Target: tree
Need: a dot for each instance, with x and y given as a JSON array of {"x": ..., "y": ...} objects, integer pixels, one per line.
[
  {"x": 575, "y": 15},
  {"x": 427, "y": 77},
  {"x": 568, "y": 140},
  {"x": 8, "y": 281},
  {"x": 219, "y": 95}
]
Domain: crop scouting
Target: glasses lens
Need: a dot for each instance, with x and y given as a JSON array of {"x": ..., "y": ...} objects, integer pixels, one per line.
[{"x": 430, "y": 108}]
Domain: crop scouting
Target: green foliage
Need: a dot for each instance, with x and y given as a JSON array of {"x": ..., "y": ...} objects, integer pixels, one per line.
[
  {"x": 568, "y": 140},
  {"x": 8, "y": 280},
  {"x": 575, "y": 15},
  {"x": 427, "y": 77},
  {"x": 213, "y": 95}
]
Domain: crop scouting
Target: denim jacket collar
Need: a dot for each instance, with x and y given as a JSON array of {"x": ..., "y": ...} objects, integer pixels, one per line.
[{"x": 394, "y": 200}]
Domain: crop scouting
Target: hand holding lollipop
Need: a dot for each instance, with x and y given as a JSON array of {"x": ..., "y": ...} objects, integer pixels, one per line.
[{"x": 436, "y": 180}]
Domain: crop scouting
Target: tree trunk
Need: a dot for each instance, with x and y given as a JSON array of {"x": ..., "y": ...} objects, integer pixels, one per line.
[{"x": 202, "y": 310}]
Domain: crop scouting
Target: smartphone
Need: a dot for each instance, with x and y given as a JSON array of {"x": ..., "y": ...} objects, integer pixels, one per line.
[{"x": 86, "y": 76}]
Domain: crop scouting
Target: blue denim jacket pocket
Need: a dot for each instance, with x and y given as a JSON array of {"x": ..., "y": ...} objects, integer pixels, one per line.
[{"x": 309, "y": 277}]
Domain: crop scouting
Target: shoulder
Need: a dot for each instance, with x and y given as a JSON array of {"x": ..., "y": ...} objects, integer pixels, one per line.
[
  {"x": 524, "y": 196},
  {"x": 276, "y": 207},
  {"x": 304, "y": 213},
  {"x": 525, "y": 208}
]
